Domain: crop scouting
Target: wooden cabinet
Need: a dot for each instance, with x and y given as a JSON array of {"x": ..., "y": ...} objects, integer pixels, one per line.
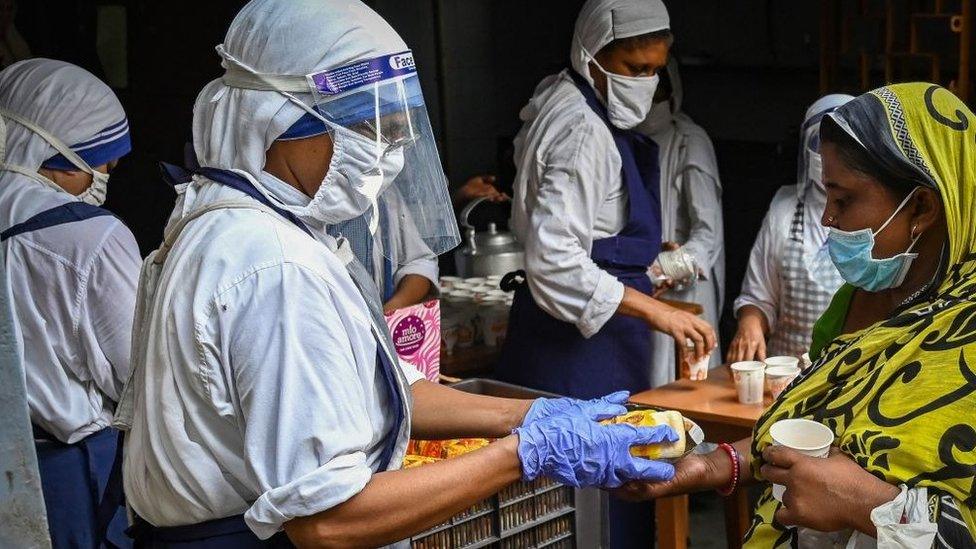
[{"x": 868, "y": 43}]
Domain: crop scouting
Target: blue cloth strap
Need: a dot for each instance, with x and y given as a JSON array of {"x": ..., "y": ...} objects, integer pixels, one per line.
[
  {"x": 175, "y": 175},
  {"x": 396, "y": 402},
  {"x": 59, "y": 215},
  {"x": 624, "y": 251}
]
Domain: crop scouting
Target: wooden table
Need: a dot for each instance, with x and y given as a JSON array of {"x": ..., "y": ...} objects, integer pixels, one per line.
[
  {"x": 712, "y": 404},
  {"x": 477, "y": 361}
]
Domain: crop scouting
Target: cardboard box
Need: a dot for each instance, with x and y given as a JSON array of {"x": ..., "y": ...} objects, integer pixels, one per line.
[{"x": 416, "y": 333}]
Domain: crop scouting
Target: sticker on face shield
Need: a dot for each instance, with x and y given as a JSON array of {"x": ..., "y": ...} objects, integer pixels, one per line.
[{"x": 343, "y": 79}]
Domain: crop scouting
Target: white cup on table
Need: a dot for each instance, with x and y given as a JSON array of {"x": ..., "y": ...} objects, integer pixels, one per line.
[
  {"x": 779, "y": 377},
  {"x": 748, "y": 376},
  {"x": 782, "y": 361},
  {"x": 803, "y": 435}
]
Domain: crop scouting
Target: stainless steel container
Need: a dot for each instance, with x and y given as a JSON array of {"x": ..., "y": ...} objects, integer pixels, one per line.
[{"x": 490, "y": 252}]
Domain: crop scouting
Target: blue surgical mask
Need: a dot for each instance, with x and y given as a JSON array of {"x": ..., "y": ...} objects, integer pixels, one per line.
[{"x": 851, "y": 254}]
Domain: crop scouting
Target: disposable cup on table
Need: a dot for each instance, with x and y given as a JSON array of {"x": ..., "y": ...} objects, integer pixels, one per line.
[
  {"x": 695, "y": 370},
  {"x": 779, "y": 377},
  {"x": 450, "y": 326},
  {"x": 494, "y": 322},
  {"x": 782, "y": 361},
  {"x": 806, "y": 436},
  {"x": 748, "y": 376},
  {"x": 448, "y": 282}
]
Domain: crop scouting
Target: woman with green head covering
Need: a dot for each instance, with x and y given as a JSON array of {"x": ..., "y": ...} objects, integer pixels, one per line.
[{"x": 894, "y": 377}]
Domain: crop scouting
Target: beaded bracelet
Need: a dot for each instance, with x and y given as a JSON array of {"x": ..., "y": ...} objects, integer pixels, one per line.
[{"x": 734, "y": 481}]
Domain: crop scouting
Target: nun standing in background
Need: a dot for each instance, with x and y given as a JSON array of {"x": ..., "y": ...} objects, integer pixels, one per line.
[
  {"x": 72, "y": 268},
  {"x": 790, "y": 279},
  {"x": 691, "y": 211}
]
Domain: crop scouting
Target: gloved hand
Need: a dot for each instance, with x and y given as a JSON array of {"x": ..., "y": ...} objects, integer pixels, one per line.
[
  {"x": 579, "y": 452},
  {"x": 606, "y": 407}
]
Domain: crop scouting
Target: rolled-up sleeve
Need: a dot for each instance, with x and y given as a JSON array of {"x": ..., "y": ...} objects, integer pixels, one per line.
[
  {"x": 302, "y": 397},
  {"x": 575, "y": 182},
  {"x": 414, "y": 255},
  {"x": 761, "y": 285}
]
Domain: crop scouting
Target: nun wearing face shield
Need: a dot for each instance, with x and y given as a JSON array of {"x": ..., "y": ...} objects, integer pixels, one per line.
[
  {"x": 790, "y": 279},
  {"x": 266, "y": 406}
]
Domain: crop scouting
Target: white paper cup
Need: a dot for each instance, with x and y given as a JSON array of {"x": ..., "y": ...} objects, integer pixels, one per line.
[
  {"x": 494, "y": 324},
  {"x": 805, "y": 361},
  {"x": 448, "y": 282},
  {"x": 748, "y": 376},
  {"x": 803, "y": 435},
  {"x": 779, "y": 377},
  {"x": 691, "y": 369},
  {"x": 449, "y": 332},
  {"x": 782, "y": 361}
]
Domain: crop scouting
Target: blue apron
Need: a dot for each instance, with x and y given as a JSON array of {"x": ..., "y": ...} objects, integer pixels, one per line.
[
  {"x": 82, "y": 487},
  {"x": 544, "y": 353},
  {"x": 232, "y": 532}
]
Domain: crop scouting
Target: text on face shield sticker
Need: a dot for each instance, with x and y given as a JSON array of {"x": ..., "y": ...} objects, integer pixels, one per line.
[{"x": 343, "y": 79}]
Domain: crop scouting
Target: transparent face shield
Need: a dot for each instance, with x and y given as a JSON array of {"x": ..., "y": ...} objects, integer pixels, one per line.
[
  {"x": 385, "y": 178},
  {"x": 809, "y": 163}
]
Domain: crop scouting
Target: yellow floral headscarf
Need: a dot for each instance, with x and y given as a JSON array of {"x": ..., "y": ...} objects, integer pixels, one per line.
[{"x": 900, "y": 395}]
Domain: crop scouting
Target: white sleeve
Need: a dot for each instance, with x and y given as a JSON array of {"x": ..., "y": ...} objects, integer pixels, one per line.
[
  {"x": 761, "y": 285},
  {"x": 302, "y": 397},
  {"x": 415, "y": 257},
  {"x": 108, "y": 302},
  {"x": 563, "y": 279},
  {"x": 410, "y": 371},
  {"x": 703, "y": 207},
  {"x": 425, "y": 266}
]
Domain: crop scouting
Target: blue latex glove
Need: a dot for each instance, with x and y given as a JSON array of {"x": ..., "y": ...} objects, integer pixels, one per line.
[
  {"x": 606, "y": 407},
  {"x": 579, "y": 452}
]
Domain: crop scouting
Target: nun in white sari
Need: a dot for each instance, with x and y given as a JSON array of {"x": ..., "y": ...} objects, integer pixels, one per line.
[{"x": 691, "y": 211}]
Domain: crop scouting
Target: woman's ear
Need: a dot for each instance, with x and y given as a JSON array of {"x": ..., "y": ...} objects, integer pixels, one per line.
[{"x": 927, "y": 210}]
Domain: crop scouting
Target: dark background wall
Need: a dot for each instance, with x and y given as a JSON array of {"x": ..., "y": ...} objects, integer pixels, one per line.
[{"x": 749, "y": 69}]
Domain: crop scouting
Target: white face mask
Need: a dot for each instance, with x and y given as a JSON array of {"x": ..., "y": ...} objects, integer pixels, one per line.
[
  {"x": 629, "y": 98},
  {"x": 360, "y": 170},
  {"x": 94, "y": 194}
]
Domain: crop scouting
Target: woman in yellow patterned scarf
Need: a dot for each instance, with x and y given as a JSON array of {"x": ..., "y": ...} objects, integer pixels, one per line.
[{"x": 896, "y": 381}]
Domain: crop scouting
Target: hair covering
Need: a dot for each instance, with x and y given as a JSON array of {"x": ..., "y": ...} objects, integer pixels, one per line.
[
  {"x": 233, "y": 127},
  {"x": 900, "y": 394},
  {"x": 603, "y": 21},
  {"x": 68, "y": 102},
  {"x": 809, "y": 180}
]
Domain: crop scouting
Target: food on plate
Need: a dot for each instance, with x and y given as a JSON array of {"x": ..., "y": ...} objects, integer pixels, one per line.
[{"x": 650, "y": 418}]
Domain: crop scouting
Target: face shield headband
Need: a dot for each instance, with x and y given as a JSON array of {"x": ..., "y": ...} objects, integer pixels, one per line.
[{"x": 373, "y": 107}]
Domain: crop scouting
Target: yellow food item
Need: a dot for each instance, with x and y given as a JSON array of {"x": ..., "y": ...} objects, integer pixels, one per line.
[
  {"x": 462, "y": 446},
  {"x": 650, "y": 418},
  {"x": 416, "y": 461},
  {"x": 443, "y": 449}
]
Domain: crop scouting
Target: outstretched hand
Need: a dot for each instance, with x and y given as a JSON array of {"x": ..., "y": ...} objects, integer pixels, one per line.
[
  {"x": 606, "y": 407},
  {"x": 579, "y": 452}
]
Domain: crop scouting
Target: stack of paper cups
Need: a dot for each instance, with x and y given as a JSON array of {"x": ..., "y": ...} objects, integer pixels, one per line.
[{"x": 780, "y": 372}]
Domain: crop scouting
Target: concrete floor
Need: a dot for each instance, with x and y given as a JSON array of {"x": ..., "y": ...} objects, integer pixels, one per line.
[{"x": 707, "y": 522}]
